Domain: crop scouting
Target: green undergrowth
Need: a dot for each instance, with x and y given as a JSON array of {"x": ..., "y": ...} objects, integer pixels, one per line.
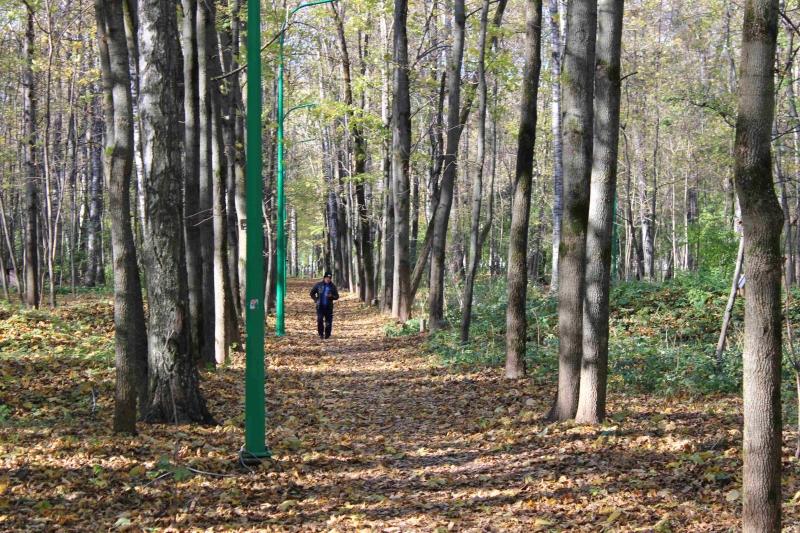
[
  {"x": 84, "y": 328},
  {"x": 662, "y": 340}
]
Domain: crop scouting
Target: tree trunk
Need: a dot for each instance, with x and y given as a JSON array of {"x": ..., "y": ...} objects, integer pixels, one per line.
[
  {"x": 476, "y": 235},
  {"x": 726, "y": 317},
  {"x": 454, "y": 128},
  {"x": 95, "y": 206},
  {"x": 558, "y": 143},
  {"x": 401, "y": 151},
  {"x": 224, "y": 318},
  {"x": 516, "y": 323},
  {"x": 130, "y": 335},
  {"x": 367, "y": 292},
  {"x": 174, "y": 380},
  {"x": 194, "y": 259},
  {"x": 647, "y": 213},
  {"x": 762, "y": 219},
  {"x": 387, "y": 252},
  {"x": 594, "y": 370},
  {"x": 240, "y": 198},
  {"x": 206, "y": 173},
  {"x": 31, "y": 202},
  {"x": 579, "y": 67}
]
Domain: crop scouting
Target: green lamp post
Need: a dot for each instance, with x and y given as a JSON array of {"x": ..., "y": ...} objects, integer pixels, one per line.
[
  {"x": 255, "y": 413},
  {"x": 280, "y": 293}
]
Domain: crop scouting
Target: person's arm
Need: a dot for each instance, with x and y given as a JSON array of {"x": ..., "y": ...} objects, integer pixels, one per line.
[
  {"x": 314, "y": 292},
  {"x": 334, "y": 292}
]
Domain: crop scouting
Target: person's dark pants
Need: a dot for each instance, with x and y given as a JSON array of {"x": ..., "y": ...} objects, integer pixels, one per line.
[{"x": 324, "y": 314}]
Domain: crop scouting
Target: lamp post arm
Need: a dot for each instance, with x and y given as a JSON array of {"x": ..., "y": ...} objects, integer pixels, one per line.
[
  {"x": 298, "y": 107},
  {"x": 301, "y": 6}
]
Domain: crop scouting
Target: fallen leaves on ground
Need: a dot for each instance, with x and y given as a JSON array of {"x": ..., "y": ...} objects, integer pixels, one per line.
[{"x": 368, "y": 436}]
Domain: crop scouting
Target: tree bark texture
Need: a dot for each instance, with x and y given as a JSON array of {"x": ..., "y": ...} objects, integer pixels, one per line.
[
  {"x": 476, "y": 235},
  {"x": 762, "y": 220},
  {"x": 401, "y": 151},
  {"x": 194, "y": 260},
  {"x": 454, "y": 128},
  {"x": 516, "y": 324},
  {"x": 594, "y": 368},
  {"x": 206, "y": 187},
  {"x": 223, "y": 304},
  {"x": 578, "y": 80},
  {"x": 174, "y": 381},
  {"x": 31, "y": 198},
  {"x": 130, "y": 334},
  {"x": 366, "y": 266},
  {"x": 558, "y": 143}
]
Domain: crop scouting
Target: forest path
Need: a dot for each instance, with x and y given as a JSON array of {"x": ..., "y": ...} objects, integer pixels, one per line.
[
  {"x": 387, "y": 439},
  {"x": 374, "y": 436}
]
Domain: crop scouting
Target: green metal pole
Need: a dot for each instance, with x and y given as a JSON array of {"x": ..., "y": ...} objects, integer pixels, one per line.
[
  {"x": 254, "y": 425},
  {"x": 280, "y": 293}
]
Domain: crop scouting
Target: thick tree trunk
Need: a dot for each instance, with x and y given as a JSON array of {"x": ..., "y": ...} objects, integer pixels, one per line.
[
  {"x": 194, "y": 259},
  {"x": 130, "y": 335},
  {"x": 762, "y": 219},
  {"x": 401, "y": 152},
  {"x": 31, "y": 200},
  {"x": 594, "y": 370},
  {"x": 516, "y": 324},
  {"x": 579, "y": 67},
  {"x": 454, "y": 128},
  {"x": 174, "y": 381}
]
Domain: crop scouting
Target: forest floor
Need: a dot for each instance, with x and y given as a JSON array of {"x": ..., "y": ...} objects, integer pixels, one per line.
[{"x": 369, "y": 435}]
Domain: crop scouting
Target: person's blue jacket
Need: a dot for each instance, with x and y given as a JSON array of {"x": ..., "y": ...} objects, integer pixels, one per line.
[{"x": 323, "y": 297}]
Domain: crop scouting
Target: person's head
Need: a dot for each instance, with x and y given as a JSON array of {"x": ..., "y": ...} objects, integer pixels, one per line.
[{"x": 327, "y": 277}]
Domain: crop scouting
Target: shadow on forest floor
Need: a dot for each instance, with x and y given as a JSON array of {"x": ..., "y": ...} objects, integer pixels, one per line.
[{"x": 368, "y": 435}]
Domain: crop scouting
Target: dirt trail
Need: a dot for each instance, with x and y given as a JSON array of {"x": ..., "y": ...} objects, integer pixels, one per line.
[{"x": 391, "y": 442}]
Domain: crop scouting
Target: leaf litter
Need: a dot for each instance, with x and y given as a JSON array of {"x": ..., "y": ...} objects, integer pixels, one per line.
[{"x": 368, "y": 435}]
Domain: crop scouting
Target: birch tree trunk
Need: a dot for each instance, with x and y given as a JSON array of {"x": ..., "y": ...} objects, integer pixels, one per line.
[
  {"x": 516, "y": 324},
  {"x": 594, "y": 370},
  {"x": 762, "y": 219},
  {"x": 579, "y": 67}
]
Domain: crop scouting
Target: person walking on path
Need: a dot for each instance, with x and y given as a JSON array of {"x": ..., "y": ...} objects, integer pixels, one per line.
[{"x": 324, "y": 293}]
